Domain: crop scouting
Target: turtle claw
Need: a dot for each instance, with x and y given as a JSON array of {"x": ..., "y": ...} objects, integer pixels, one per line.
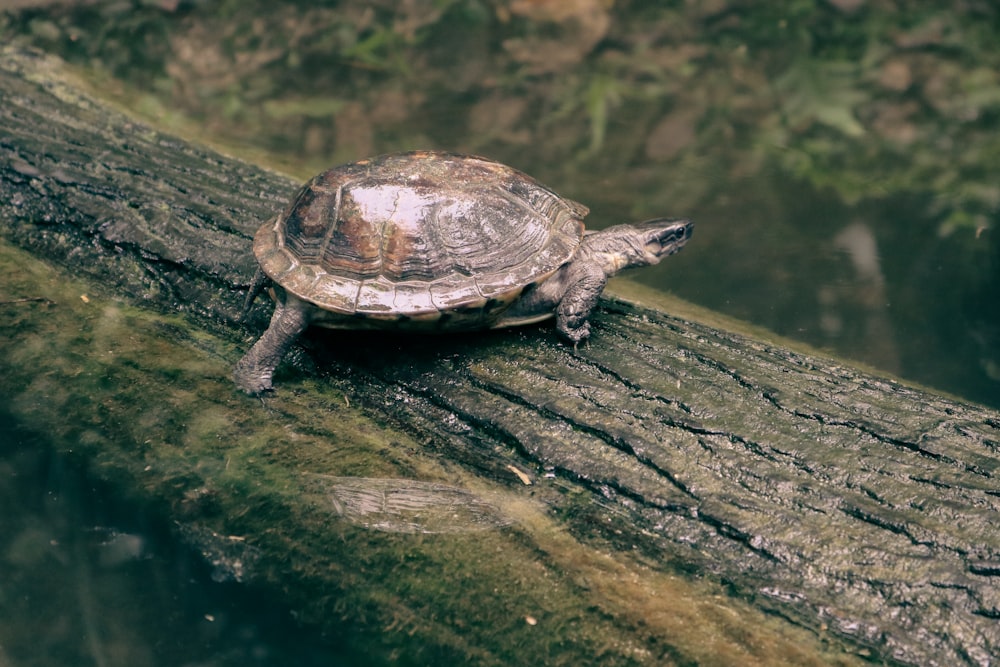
[
  {"x": 585, "y": 342},
  {"x": 576, "y": 334},
  {"x": 252, "y": 384}
]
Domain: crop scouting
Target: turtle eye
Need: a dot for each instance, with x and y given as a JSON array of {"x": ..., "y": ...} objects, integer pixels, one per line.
[{"x": 674, "y": 236}]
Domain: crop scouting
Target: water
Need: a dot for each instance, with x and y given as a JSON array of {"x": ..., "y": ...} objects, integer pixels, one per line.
[{"x": 90, "y": 580}]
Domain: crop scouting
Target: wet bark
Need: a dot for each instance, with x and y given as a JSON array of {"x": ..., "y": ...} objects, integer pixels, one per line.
[{"x": 857, "y": 508}]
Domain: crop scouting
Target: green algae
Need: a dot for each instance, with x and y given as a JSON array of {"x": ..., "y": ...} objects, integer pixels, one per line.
[{"x": 158, "y": 418}]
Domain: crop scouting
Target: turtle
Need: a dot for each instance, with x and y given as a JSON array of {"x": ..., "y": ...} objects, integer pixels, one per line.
[{"x": 435, "y": 242}]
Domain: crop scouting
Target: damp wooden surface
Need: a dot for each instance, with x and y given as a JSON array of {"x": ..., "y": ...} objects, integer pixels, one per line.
[{"x": 670, "y": 493}]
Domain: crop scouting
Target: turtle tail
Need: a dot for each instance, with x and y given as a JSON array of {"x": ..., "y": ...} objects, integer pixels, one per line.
[{"x": 260, "y": 279}]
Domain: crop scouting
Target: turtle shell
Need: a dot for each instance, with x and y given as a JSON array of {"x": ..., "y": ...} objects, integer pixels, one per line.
[{"x": 418, "y": 235}]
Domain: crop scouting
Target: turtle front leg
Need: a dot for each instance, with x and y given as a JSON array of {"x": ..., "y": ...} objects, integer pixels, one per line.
[
  {"x": 577, "y": 303},
  {"x": 253, "y": 372}
]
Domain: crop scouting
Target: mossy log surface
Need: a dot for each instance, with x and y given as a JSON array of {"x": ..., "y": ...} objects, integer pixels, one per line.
[{"x": 670, "y": 493}]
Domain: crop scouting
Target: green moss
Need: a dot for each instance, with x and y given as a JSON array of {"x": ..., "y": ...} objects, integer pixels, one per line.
[{"x": 156, "y": 416}]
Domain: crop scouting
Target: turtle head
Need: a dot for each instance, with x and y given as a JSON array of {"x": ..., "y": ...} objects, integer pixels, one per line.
[
  {"x": 661, "y": 238},
  {"x": 640, "y": 244}
]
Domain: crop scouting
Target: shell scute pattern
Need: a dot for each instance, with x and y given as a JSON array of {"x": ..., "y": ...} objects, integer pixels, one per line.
[
  {"x": 455, "y": 292},
  {"x": 414, "y": 235},
  {"x": 353, "y": 243},
  {"x": 306, "y": 223}
]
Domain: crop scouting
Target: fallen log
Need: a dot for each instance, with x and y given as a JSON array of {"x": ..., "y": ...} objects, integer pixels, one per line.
[{"x": 672, "y": 492}]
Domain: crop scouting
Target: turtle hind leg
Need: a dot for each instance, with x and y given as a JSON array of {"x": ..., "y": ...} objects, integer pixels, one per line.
[{"x": 253, "y": 372}]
